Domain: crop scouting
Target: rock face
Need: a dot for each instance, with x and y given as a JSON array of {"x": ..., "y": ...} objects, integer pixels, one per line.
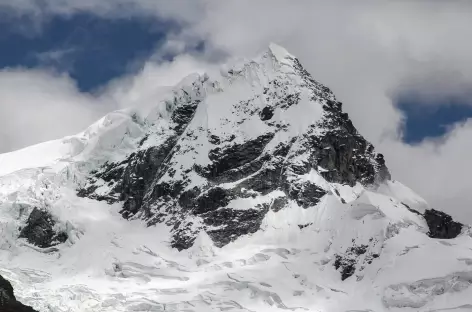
[
  {"x": 8, "y": 301},
  {"x": 441, "y": 224},
  {"x": 263, "y": 137},
  {"x": 355, "y": 257},
  {"x": 39, "y": 230}
]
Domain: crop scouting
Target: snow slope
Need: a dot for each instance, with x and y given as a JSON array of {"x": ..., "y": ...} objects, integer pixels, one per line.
[{"x": 360, "y": 246}]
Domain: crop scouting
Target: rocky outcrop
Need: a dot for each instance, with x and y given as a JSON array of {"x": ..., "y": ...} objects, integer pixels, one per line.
[
  {"x": 198, "y": 176},
  {"x": 225, "y": 160},
  {"x": 355, "y": 258},
  {"x": 441, "y": 225},
  {"x": 39, "y": 230},
  {"x": 8, "y": 302},
  {"x": 346, "y": 264}
]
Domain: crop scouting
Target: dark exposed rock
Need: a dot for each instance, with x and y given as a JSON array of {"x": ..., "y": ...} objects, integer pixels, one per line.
[
  {"x": 441, "y": 225},
  {"x": 344, "y": 154},
  {"x": 187, "y": 198},
  {"x": 135, "y": 175},
  {"x": 267, "y": 113},
  {"x": 356, "y": 258},
  {"x": 233, "y": 174},
  {"x": 282, "y": 149},
  {"x": 6, "y": 292},
  {"x": 212, "y": 199},
  {"x": 289, "y": 100},
  {"x": 234, "y": 156},
  {"x": 264, "y": 181},
  {"x": 411, "y": 209},
  {"x": 183, "y": 114},
  {"x": 345, "y": 158},
  {"x": 8, "y": 302},
  {"x": 224, "y": 225},
  {"x": 306, "y": 194},
  {"x": 140, "y": 172},
  {"x": 181, "y": 241},
  {"x": 213, "y": 139},
  {"x": 111, "y": 173},
  {"x": 347, "y": 263},
  {"x": 249, "y": 168},
  {"x": 302, "y": 226},
  {"x": 39, "y": 230},
  {"x": 231, "y": 223},
  {"x": 279, "y": 203}
]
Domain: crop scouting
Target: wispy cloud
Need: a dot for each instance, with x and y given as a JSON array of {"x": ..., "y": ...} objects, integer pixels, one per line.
[{"x": 62, "y": 59}]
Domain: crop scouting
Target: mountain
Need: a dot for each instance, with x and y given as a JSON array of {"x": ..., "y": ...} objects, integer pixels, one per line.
[{"x": 250, "y": 190}]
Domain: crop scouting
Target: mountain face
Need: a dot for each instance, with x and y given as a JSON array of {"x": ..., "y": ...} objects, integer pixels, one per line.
[
  {"x": 250, "y": 190},
  {"x": 265, "y": 136}
]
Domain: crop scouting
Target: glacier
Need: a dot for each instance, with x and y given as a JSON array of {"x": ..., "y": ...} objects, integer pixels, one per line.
[{"x": 250, "y": 190}]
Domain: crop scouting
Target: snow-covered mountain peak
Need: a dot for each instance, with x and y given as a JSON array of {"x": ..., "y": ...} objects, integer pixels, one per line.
[
  {"x": 262, "y": 136},
  {"x": 246, "y": 191},
  {"x": 279, "y": 52}
]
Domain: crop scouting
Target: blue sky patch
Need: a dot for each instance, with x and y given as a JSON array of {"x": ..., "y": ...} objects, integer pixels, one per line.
[
  {"x": 92, "y": 49},
  {"x": 431, "y": 120}
]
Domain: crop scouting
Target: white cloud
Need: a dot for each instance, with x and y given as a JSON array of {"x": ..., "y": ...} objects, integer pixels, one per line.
[
  {"x": 437, "y": 169},
  {"x": 147, "y": 84},
  {"x": 188, "y": 11},
  {"x": 39, "y": 105},
  {"x": 60, "y": 58},
  {"x": 367, "y": 52}
]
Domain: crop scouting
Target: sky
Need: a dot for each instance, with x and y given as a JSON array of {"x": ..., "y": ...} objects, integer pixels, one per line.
[{"x": 402, "y": 69}]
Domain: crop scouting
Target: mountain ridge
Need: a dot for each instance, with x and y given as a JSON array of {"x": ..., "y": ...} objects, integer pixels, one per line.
[
  {"x": 274, "y": 84},
  {"x": 247, "y": 191}
]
